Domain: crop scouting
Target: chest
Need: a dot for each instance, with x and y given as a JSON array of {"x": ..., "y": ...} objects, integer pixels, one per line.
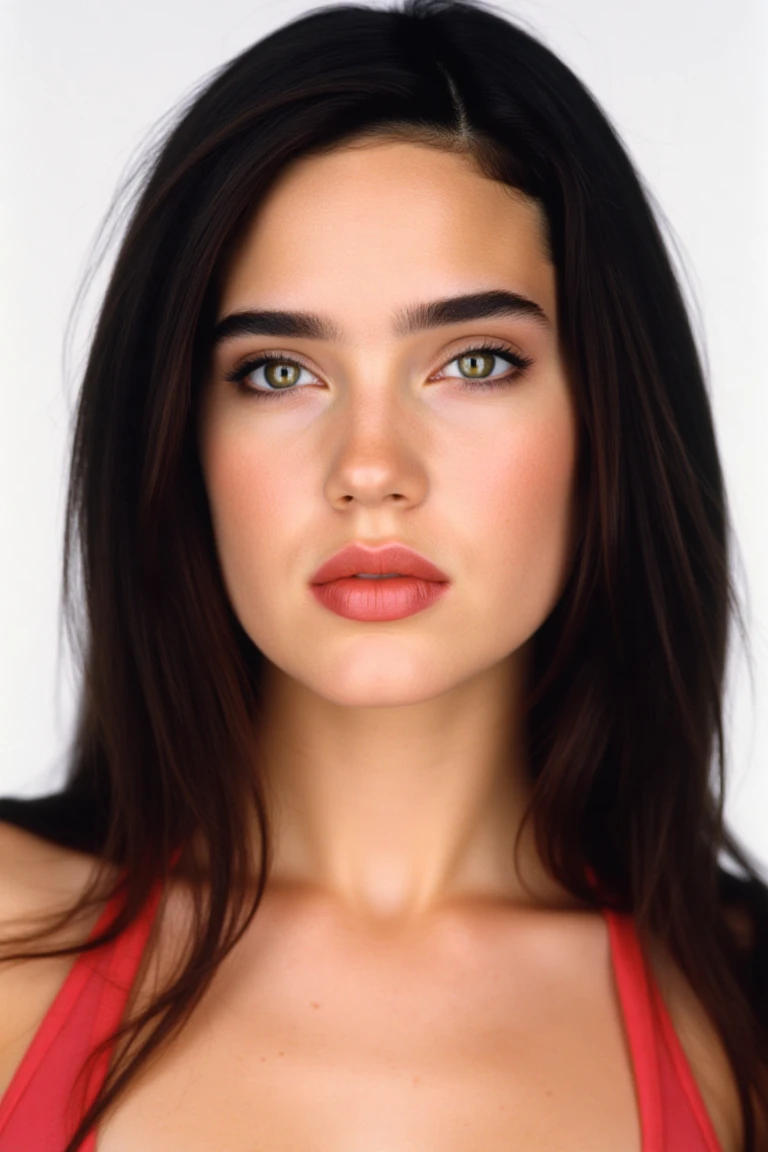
[{"x": 336, "y": 1045}]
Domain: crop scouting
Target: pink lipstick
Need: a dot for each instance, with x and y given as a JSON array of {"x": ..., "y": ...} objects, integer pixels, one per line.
[{"x": 385, "y": 583}]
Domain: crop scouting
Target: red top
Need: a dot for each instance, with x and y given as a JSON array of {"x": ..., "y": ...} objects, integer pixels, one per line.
[{"x": 89, "y": 1005}]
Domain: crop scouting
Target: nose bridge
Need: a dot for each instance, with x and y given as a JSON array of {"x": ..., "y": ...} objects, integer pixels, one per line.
[{"x": 377, "y": 396}]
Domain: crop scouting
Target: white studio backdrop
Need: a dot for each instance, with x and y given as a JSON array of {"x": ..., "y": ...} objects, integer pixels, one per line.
[{"x": 83, "y": 84}]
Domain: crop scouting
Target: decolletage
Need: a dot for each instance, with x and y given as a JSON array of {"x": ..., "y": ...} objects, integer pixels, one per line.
[{"x": 39, "y": 1114}]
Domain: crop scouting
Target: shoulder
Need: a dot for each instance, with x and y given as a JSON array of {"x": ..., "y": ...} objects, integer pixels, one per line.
[
  {"x": 37, "y": 876},
  {"x": 703, "y": 1048},
  {"x": 38, "y": 879}
]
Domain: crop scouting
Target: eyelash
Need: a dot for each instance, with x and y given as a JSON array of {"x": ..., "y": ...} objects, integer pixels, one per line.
[{"x": 503, "y": 351}]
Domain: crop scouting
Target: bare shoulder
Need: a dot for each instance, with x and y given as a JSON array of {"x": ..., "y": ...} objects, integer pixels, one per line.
[
  {"x": 37, "y": 876},
  {"x": 37, "y": 880},
  {"x": 704, "y": 1049}
]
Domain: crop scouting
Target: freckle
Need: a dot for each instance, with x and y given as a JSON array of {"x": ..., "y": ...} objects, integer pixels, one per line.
[
  {"x": 281, "y": 1053},
  {"x": 263, "y": 1058},
  {"x": 416, "y": 1080}
]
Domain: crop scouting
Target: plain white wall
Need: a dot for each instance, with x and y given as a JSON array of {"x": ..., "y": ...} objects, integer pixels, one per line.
[{"x": 82, "y": 83}]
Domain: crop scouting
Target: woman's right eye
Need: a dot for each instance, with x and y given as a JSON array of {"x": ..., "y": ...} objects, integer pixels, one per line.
[{"x": 283, "y": 375}]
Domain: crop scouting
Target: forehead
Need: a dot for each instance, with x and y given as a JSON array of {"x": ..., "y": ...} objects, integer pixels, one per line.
[{"x": 358, "y": 231}]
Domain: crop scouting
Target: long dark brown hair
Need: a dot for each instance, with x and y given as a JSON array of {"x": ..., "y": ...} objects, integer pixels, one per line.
[{"x": 625, "y": 708}]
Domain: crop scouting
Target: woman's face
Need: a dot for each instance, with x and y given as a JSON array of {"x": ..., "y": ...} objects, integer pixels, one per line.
[{"x": 380, "y": 435}]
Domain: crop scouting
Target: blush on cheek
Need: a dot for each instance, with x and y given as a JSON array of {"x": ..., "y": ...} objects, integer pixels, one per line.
[
  {"x": 532, "y": 504},
  {"x": 227, "y": 496},
  {"x": 545, "y": 468},
  {"x": 533, "y": 471},
  {"x": 237, "y": 473},
  {"x": 254, "y": 499}
]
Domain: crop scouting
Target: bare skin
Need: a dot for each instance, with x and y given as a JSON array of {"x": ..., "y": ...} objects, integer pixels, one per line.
[
  {"x": 402, "y": 986},
  {"x": 491, "y": 1032}
]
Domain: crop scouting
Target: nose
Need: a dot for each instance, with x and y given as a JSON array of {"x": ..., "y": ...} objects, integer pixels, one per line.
[{"x": 378, "y": 458}]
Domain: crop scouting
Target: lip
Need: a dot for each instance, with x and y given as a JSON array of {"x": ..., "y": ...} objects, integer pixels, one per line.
[
  {"x": 378, "y": 600},
  {"x": 393, "y": 557}
]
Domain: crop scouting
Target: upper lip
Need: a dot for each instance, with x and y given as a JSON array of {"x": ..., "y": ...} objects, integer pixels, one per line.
[{"x": 355, "y": 558}]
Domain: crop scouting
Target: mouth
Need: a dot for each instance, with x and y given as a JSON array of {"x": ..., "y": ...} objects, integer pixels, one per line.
[{"x": 391, "y": 561}]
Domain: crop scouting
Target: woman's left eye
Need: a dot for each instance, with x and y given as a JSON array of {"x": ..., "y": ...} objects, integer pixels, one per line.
[{"x": 478, "y": 362}]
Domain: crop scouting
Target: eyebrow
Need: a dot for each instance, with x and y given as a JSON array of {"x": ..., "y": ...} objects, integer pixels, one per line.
[{"x": 406, "y": 321}]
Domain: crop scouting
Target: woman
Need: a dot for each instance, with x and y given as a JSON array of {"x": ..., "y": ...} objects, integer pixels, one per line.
[{"x": 404, "y": 547}]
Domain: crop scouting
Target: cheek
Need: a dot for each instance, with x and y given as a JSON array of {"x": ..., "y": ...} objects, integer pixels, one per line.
[
  {"x": 249, "y": 501},
  {"x": 522, "y": 505}
]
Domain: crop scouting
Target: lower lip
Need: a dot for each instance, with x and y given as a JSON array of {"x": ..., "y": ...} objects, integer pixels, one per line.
[{"x": 378, "y": 599}]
